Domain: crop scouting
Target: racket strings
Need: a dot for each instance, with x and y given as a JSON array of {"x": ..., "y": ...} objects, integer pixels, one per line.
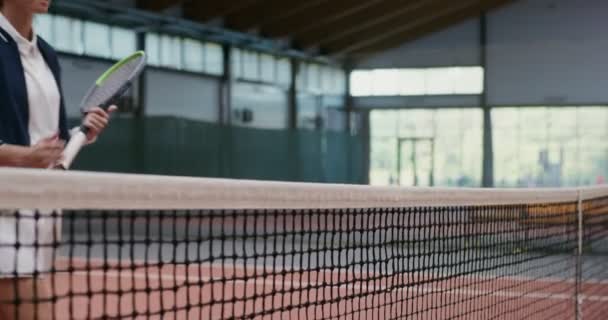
[{"x": 113, "y": 84}]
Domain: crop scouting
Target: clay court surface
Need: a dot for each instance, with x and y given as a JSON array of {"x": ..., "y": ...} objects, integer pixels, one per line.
[{"x": 215, "y": 291}]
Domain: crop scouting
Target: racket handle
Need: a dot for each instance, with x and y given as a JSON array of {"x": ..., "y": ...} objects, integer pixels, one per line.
[{"x": 72, "y": 148}]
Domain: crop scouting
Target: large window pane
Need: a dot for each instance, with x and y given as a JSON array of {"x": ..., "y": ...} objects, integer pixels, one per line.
[
  {"x": 267, "y": 71},
  {"x": 417, "y": 82},
  {"x": 63, "y": 34},
  {"x": 43, "y": 26},
  {"x": 97, "y": 40},
  {"x": 237, "y": 63},
  {"x": 383, "y": 161},
  {"x": 251, "y": 64},
  {"x": 77, "y": 36},
  {"x": 468, "y": 80},
  {"x": 153, "y": 49},
  {"x": 302, "y": 76},
  {"x": 313, "y": 78},
  {"x": 124, "y": 42},
  {"x": 340, "y": 81},
  {"x": 284, "y": 71},
  {"x": 386, "y": 82},
  {"x": 171, "y": 51},
  {"x": 416, "y": 123},
  {"x": 413, "y": 82},
  {"x": 68, "y": 35},
  {"x": 385, "y": 123},
  {"x": 439, "y": 81},
  {"x": 361, "y": 83},
  {"x": 214, "y": 59},
  {"x": 550, "y": 146},
  {"x": 327, "y": 80},
  {"x": 194, "y": 55},
  {"x": 445, "y": 144}
]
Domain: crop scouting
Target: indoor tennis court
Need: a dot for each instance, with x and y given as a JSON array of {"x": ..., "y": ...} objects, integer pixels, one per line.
[{"x": 319, "y": 159}]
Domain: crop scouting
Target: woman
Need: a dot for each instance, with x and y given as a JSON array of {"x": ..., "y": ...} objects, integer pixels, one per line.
[{"x": 33, "y": 131}]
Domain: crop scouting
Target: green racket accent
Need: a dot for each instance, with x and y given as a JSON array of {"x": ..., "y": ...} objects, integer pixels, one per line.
[
  {"x": 115, "y": 67},
  {"x": 114, "y": 82}
]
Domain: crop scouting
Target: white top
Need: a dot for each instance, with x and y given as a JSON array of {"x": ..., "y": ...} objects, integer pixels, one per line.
[
  {"x": 44, "y": 101},
  {"x": 43, "y": 93}
]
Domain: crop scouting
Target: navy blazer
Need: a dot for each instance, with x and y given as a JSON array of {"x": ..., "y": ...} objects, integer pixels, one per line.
[{"x": 14, "y": 108}]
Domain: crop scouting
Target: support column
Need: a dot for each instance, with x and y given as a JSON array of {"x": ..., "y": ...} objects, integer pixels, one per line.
[
  {"x": 293, "y": 96},
  {"x": 139, "y": 113},
  {"x": 225, "y": 107},
  {"x": 578, "y": 294},
  {"x": 225, "y": 114},
  {"x": 141, "y": 88},
  {"x": 487, "y": 180},
  {"x": 348, "y": 98}
]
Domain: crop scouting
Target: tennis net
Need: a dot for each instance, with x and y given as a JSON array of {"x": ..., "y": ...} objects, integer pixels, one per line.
[{"x": 79, "y": 245}]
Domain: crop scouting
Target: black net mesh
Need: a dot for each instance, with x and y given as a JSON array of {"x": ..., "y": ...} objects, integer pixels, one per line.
[{"x": 513, "y": 261}]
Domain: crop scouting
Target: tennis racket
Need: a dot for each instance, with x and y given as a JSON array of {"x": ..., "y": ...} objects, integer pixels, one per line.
[{"x": 110, "y": 86}]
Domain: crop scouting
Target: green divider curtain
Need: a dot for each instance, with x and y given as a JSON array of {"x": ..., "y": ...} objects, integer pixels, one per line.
[{"x": 175, "y": 146}]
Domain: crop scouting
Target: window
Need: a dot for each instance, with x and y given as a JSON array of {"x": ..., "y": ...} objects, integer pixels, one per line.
[
  {"x": 68, "y": 35},
  {"x": 445, "y": 145},
  {"x": 331, "y": 80},
  {"x": 267, "y": 73},
  {"x": 468, "y": 80},
  {"x": 153, "y": 49},
  {"x": 214, "y": 59},
  {"x": 412, "y": 82},
  {"x": 194, "y": 55},
  {"x": 189, "y": 54},
  {"x": 97, "y": 39},
  {"x": 550, "y": 146},
  {"x": 385, "y": 82},
  {"x": 250, "y": 65},
  {"x": 417, "y": 81},
  {"x": 361, "y": 83},
  {"x": 438, "y": 81},
  {"x": 124, "y": 42},
  {"x": 171, "y": 51},
  {"x": 77, "y": 35},
  {"x": 302, "y": 75},
  {"x": 284, "y": 71},
  {"x": 340, "y": 81},
  {"x": 237, "y": 63},
  {"x": 43, "y": 26},
  {"x": 314, "y": 79},
  {"x": 327, "y": 79}
]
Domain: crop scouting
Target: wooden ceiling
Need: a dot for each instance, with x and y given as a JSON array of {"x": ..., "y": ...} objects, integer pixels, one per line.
[{"x": 331, "y": 27}]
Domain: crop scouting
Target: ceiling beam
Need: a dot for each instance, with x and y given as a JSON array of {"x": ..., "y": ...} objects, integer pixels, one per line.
[
  {"x": 419, "y": 29},
  {"x": 422, "y": 12},
  {"x": 379, "y": 12},
  {"x": 266, "y": 11},
  {"x": 157, "y": 5},
  {"x": 205, "y": 10},
  {"x": 323, "y": 14}
]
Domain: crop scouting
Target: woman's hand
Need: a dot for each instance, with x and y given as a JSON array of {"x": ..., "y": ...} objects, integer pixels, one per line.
[{"x": 97, "y": 120}]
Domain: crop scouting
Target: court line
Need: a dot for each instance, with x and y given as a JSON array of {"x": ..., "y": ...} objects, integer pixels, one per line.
[
  {"x": 321, "y": 286},
  {"x": 248, "y": 269}
]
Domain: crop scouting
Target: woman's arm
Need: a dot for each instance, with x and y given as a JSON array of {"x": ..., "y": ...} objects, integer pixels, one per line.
[
  {"x": 45, "y": 153},
  {"x": 11, "y": 155}
]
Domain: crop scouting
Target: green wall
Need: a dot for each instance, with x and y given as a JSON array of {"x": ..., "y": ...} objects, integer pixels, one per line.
[{"x": 174, "y": 146}]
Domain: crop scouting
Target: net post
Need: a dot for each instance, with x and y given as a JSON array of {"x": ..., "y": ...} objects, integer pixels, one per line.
[{"x": 579, "y": 256}]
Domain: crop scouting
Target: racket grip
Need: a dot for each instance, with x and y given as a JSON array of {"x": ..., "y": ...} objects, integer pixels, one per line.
[{"x": 72, "y": 149}]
